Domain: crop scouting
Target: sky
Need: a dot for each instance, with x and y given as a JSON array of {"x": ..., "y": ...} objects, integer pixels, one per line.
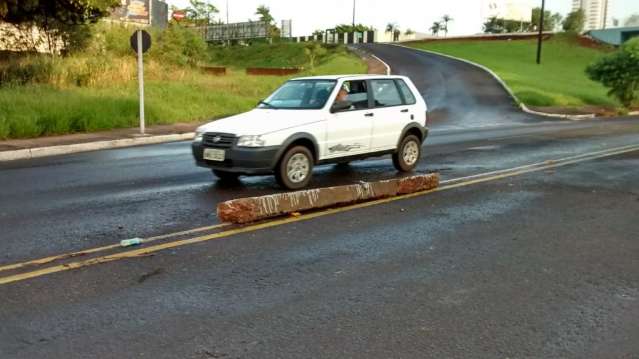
[{"x": 310, "y": 15}]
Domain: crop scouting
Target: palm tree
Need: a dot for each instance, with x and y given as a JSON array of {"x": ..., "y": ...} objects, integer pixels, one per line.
[
  {"x": 265, "y": 14},
  {"x": 446, "y": 19},
  {"x": 435, "y": 28},
  {"x": 392, "y": 28}
]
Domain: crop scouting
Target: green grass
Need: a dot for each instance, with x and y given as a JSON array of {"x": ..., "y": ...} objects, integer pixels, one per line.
[
  {"x": 559, "y": 81},
  {"x": 37, "y": 109},
  {"x": 259, "y": 55}
]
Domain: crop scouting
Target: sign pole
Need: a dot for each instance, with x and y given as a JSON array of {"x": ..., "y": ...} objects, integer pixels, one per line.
[{"x": 141, "y": 81}]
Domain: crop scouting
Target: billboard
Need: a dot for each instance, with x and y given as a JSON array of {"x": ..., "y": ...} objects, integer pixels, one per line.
[
  {"x": 237, "y": 31},
  {"x": 132, "y": 11}
]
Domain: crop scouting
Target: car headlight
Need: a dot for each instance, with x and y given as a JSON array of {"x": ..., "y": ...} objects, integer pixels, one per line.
[
  {"x": 198, "y": 136},
  {"x": 250, "y": 141}
]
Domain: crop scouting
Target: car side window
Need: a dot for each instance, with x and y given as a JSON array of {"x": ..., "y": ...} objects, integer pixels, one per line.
[
  {"x": 385, "y": 93},
  {"x": 355, "y": 92},
  {"x": 408, "y": 94}
]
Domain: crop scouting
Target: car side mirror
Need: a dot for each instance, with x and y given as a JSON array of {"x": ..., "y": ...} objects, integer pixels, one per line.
[{"x": 341, "y": 106}]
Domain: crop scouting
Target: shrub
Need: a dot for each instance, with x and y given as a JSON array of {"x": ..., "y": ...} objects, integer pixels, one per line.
[
  {"x": 619, "y": 71},
  {"x": 178, "y": 45}
]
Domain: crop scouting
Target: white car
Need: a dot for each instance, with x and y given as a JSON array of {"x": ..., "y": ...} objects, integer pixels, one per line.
[{"x": 316, "y": 120}]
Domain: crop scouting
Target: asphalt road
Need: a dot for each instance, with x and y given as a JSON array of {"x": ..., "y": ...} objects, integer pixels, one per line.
[{"x": 544, "y": 264}]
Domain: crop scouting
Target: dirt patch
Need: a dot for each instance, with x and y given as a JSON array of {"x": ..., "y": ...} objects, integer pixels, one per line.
[
  {"x": 589, "y": 42},
  {"x": 267, "y": 71},
  {"x": 575, "y": 111}
]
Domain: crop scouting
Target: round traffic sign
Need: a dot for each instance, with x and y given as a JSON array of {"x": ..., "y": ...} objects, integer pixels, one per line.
[{"x": 146, "y": 41}]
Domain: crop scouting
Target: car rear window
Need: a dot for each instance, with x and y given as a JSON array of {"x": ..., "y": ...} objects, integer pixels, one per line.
[
  {"x": 385, "y": 93},
  {"x": 408, "y": 94}
]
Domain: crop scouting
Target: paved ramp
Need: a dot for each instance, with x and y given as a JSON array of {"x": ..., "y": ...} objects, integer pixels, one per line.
[{"x": 458, "y": 94}]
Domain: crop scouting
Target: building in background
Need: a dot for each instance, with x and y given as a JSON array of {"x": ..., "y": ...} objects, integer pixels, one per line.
[
  {"x": 287, "y": 29},
  {"x": 514, "y": 10},
  {"x": 597, "y": 13}
]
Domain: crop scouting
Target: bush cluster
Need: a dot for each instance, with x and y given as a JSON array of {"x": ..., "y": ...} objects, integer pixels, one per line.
[
  {"x": 619, "y": 72},
  {"x": 105, "y": 57}
]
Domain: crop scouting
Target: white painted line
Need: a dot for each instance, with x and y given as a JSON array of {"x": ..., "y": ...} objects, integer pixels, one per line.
[
  {"x": 505, "y": 86},
  {"x": 38, "y": 152}
]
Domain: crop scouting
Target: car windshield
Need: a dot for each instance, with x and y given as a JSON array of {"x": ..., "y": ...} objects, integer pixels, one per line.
[{"x": 300, "y": 95}]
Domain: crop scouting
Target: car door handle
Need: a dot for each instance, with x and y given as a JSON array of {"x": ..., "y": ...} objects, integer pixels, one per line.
[
  {"x": 405, "y": 110},
  {"x": 370, "y": 114}
]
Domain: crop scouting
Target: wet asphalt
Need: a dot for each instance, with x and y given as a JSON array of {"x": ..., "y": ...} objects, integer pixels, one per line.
[{"x": 540, "y": 265}]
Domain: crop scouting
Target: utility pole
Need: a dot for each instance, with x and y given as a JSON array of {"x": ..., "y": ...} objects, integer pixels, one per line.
[
  {"x": 541, "y": 31},
  {"x": 227, "y": 12},
  {"x": 354, "y": 1}
]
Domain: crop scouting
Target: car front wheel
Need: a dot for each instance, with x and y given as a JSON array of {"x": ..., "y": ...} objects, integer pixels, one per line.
[
  {"x": 408, "y": 154},
  {"x": 295, "y": 169}
]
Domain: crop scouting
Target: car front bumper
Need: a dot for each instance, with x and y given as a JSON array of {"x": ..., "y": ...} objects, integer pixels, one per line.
[{"x": 247, "y": 161}]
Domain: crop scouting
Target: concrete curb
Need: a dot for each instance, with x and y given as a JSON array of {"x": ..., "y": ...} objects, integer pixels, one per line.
[
  {"x": 362, "y": 53},
  {"x": 246, "y": 210},
  {"x": 38, "y": 152},
  {"x": 388, "y": 68},
  {"x": 508, "y": 89}
]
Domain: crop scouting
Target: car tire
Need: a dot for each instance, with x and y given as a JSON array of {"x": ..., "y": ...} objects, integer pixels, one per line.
[
  {"x": 295, "y": 169},
  {"x": 408, "y": 154},
  {"x": 226, "y": 176}
]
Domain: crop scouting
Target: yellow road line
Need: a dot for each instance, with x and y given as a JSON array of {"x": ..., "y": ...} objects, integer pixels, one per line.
[
  {"x": 58, "y": 257},
  {"x": 252, "y": 228}
]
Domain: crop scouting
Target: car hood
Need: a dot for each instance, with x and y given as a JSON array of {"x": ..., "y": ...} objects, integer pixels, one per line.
[{"x": 261, "y": 122}]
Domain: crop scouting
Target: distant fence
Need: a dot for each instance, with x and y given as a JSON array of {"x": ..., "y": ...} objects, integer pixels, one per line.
[
  {"x": 214, "y": 70},
  {"x": 270, "y": 71}
]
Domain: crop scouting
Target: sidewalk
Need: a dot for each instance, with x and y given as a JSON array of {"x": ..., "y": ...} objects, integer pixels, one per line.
[{"x": 82, "y": 142}]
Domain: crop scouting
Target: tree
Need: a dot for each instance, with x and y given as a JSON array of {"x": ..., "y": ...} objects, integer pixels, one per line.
[
  {"x": 556, "y": 21},
  {"x": 409, "y": 32},
  {"x": 318, "y": 33},
  {"x": 201, "y": 12},
  {"x": 392, "y": 28},
  {"x": 494, "y": 26},
  {"x": 59, "y": 20},
  {"x": 619, "y": 71},
  {"x": 314, "y": 51},
  {"x": 265, "y": 16},
  {"x": 550, "y": 20},
  {"x": 436, "y": 27},
  {"x": 574, "y": 22},
  {"x": 632, "y": 20},
  {"x": 446, "y": 19},
  {"x": 348, "y": 28}
]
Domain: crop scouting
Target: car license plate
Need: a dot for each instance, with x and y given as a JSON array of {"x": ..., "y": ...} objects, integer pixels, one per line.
[{"x": 213, "y": 154}]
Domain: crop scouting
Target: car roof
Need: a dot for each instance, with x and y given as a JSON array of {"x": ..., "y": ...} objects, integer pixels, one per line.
[{"x": 349, "y": 77}]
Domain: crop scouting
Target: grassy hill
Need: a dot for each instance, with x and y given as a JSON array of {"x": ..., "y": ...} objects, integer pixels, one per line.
[{"x": 559, "y": 81}]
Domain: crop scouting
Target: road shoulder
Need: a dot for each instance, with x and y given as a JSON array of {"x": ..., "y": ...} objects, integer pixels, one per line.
[{"x": 21, "y": 149}]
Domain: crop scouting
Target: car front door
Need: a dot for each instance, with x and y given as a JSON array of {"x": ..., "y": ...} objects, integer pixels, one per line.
[
  {"x": 349, "y": 129},
  {"x": 392, "y": 113}
]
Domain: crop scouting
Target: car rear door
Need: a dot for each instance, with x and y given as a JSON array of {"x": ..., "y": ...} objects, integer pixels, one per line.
[
  {"x": 393, "y": 111},
  {"x": 348, "y": 132}
]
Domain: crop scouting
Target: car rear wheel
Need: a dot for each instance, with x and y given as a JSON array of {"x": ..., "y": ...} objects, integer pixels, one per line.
[
  {"x": 295, "y": 169},
  {"x": 226, "y": 176},
  {"x": 408, "y": 154}
]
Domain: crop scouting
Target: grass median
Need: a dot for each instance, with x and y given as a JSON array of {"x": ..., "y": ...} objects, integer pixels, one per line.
[
  {"x": 33, "y": 110},
  {"x": 560, "y": 81}
]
